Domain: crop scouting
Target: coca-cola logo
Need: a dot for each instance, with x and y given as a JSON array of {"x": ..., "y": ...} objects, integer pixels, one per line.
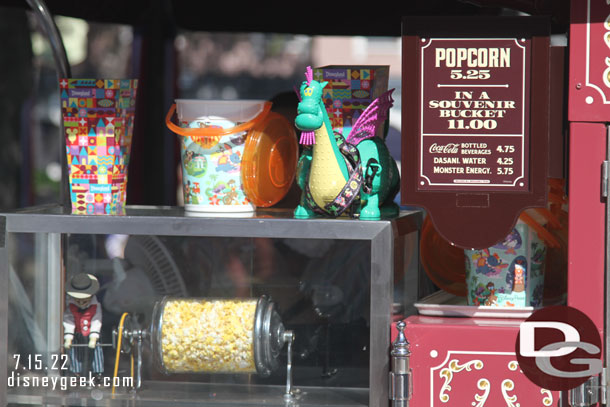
[{"x": 451, "y": 148}]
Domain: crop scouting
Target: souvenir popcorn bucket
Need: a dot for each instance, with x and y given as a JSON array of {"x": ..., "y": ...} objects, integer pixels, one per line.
[
  {"x": 511, "y": 273},
  {"x": 229, "y": 335},
  {"x": 98, "y": 117},
  {"x": 236, "y": 155}
]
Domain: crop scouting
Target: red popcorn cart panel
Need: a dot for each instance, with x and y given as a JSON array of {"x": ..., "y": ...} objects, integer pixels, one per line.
[{"x": 459, "y": 362}]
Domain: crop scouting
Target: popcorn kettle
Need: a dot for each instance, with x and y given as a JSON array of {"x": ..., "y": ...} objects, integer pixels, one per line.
[{"x": 209, "y": 335}]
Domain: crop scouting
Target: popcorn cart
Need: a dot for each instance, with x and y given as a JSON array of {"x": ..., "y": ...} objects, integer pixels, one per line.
[
  {"x": 267, "y": 309},
  {"x": 459, "y": 355}
]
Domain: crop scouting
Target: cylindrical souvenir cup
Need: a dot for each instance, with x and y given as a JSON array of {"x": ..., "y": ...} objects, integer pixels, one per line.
[
  {"x": 509, "y": 274},
  {"x": 212, "y": 158},
  {"x": 98, "y": 117}
]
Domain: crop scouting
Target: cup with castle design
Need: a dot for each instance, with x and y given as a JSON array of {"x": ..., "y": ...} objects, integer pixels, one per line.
[
  {"x": 236, "y": 155},
  {"x": 509, "y": 274}
]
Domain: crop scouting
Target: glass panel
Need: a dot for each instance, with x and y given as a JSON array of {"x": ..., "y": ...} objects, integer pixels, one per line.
[
  {"x": 34, "y": 318},
  {"x": 410, "y": 282},
  {"x": 320, "y": 290}
]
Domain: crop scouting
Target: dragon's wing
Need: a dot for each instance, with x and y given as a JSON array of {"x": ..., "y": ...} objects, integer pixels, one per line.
[{"x": 372, "y": 117}]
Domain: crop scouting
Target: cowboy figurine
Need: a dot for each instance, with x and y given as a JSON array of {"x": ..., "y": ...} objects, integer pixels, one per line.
[{"x": 82, "y": 325}]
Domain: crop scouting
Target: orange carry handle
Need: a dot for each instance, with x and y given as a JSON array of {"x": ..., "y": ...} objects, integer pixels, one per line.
[{"x": 213, "y": 131}]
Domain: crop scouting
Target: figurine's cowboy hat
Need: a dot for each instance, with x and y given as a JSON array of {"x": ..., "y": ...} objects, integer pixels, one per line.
[{"x": 82, "y": 285}]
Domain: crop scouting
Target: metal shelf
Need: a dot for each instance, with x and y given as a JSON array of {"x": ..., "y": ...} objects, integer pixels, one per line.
[{"x": 174, "y": 221}]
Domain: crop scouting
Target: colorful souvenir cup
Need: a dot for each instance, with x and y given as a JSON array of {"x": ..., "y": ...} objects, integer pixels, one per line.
[
  {"x": 509, "y": 274},
  {"x": 236, "y": 155},
  {"x": 98, "y": 117}
]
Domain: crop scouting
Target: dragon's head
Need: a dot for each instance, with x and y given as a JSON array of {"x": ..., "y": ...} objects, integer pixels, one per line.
[{"x": 310, "y": 111}]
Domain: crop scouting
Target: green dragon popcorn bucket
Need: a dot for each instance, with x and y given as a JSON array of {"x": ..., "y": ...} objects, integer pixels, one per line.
[
  {"x": 236, "y": 155},
  {"x": 98, "y": 118},
  {"x": 511, "y": 273}
]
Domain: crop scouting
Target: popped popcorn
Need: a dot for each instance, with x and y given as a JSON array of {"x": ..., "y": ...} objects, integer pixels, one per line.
[{"x": 208, "y": 335}]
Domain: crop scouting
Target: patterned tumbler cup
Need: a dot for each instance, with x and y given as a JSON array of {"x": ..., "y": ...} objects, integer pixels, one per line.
[{"x": 98, "y": 117}]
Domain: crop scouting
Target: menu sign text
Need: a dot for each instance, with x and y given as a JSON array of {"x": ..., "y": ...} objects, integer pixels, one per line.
[{"x": 474, "y": 124}]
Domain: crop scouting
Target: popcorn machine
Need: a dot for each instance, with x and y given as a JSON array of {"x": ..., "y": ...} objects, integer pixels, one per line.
[
  {"x": 267, "y": 309},
  {"x": 472, "y": 203}
]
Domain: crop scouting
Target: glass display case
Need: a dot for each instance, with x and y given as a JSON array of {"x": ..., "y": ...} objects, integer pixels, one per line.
[{"x": 260, "y": 310}]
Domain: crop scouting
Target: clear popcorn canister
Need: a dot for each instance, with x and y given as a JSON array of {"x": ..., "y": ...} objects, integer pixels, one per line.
[{"x": 213, "y": 335}]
